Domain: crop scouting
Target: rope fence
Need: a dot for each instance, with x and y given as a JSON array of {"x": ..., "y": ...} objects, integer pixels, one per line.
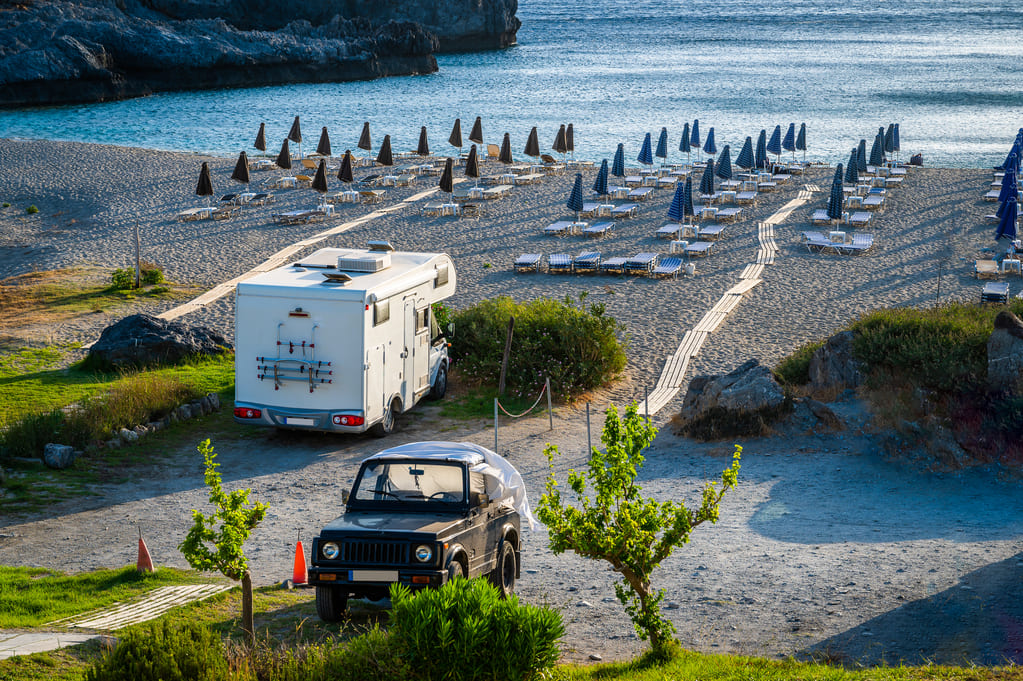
[{"x": 545, "y": 390}]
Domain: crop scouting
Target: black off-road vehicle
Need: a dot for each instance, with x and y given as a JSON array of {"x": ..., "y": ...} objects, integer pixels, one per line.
[{"x": 421, "y": 514}]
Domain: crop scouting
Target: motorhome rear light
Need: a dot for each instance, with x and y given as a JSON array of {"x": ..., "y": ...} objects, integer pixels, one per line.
[
  {"x": 247, "y": 413},
  {"x": 348, "y": 420}
]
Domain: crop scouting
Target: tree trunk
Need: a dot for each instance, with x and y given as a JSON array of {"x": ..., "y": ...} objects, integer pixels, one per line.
[{"x": 248, "y": 625}]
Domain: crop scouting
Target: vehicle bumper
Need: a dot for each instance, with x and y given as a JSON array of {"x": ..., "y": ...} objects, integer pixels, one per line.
[
  {"x": 368, "y": 580},
  {"x": 299, "y": 419}
]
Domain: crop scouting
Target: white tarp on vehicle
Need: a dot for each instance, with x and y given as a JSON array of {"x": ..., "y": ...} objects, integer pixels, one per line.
[{"x": 504, "y": 484}]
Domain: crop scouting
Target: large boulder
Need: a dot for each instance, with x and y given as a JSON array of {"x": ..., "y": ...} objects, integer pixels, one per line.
[
  {"x": 144, "y": 340},
  {"x": 742, "y": 402},
  {"x": 1005, "y": 354},
  {"x": 833, "y": 365}
]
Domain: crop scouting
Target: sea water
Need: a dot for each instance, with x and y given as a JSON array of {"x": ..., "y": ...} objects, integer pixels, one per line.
[{"x": 948, "y": 71}]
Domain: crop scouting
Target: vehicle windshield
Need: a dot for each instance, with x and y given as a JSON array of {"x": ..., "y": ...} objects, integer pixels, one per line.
[{"x": 410, "y": 481}]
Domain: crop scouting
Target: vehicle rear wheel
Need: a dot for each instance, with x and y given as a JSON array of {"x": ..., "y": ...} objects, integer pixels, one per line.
[
  {"x": 440, "y": 384},
  {"x": 503, "y": 576},
  {"x": 389, "y": 423},
  {"x": 331, "y": 603}
]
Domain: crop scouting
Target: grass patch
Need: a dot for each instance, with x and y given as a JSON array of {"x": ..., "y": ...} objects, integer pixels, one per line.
[{"x": 32, "y": 597}]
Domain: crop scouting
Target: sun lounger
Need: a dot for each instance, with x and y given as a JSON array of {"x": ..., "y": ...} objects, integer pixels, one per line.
[
  {"x": 873, "y": 202},
  {"x": 371, "y": 195},
  {"x": 860, "y": 219},
  {"x": 667, "y": 181},
  {"x": 587, "y": 262},
  {"x": 992, "y": 195},
  {"x": 614, "y": 265},
  {"x": 633, "y": 180},
  {"x": 590, "y": 208},
  {"x": 230, "y": 199},
  {"x": 746, "y": 198},
  {"x": 820, "y": 217},
  {"x": 528, "y": 178},
  {"x": 676, "y": 231},
  {"x": 995, "y": 292},
  {"x": 370, "y": 180},
  {"x": 599, "y": 229},
  {"x": 768, "y": 186},
  {"x": 985, "y": 268},
  {"x": 493, "y": 151},
  {"x": 626, "y": 210},
  {"x": 262, "y": 198},
  {"x": 641, "y": 263},
  {"x": 528, "y": 262},
  {"x": 189, "y": 214},
  {"x": 668, "y": 267},
  {"x": 728, "y": 214},
  {"x": 497, "y": 192},
  {"x": 700, "y": 248},
  {"x": 641, "y": 193},
  {"x": 817, "y": 241},
  {"x": 559, "y": 228},
  {"x": 432, "y": 208},
  {"x": 294, "y": 217},
  {"x": 223, "y": 213},
  {"x": 781, "y": 178},
  {"x": 559, "y": 263},
  {"x": 710, "y": 232},
  {"x": 858, "y": 244}
]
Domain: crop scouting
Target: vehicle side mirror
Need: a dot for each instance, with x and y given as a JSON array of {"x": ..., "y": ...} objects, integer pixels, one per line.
[
  {"x": 344, "y": 496},
  {"x": 451, "y": 330},
  {"x": 479, "y": 499}
]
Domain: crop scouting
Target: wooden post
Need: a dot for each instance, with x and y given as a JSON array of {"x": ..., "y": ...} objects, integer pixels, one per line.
[
  {"x": 504, "y": 359},
  {"x": 550, "y": 409},
  {"x": 138, "y": 257},
  {"x": 495, "y": 424},
  {"x": 589, "y": 445}
]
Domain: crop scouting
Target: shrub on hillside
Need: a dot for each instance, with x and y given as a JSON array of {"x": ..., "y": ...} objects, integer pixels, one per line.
[
  {"x": 577, "y": 348},
  {"x": 164, "y": 653},
  {"x": 795, "y": 369}
]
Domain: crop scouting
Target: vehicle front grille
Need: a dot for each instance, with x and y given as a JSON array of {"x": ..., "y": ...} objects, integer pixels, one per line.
[{"x": 375, "y": 553}]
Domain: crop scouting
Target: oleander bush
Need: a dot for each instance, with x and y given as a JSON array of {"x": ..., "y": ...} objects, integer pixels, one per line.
[{"x": 578, "y": 347}]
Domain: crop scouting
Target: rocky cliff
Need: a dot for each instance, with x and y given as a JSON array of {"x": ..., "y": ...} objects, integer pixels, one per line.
[{"x": 60, "y": 51}]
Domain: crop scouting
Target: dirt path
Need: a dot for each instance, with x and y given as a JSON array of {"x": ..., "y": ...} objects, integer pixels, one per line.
[{"x": 825, "y": 548}]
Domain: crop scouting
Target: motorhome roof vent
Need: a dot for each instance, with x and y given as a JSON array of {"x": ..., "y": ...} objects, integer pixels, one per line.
[
  {"x": 363, "y": 261},
  {"x": 380, "y": 246},
  {"x": 331, "y": 278}
]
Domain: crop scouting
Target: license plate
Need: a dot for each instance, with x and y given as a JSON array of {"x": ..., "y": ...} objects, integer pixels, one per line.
[
  {"x": 372, "y": 575},
  {"x": 295, "y": 421}
]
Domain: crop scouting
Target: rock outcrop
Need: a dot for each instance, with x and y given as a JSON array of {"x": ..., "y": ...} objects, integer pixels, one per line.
[
  {"x": 1005, "y": 354},
  {"x": 742, "y": 402},
  {"x": 143, "y": 340},
  {"x": 59, "y": 51},
  {"x": 833, "y": 365}
]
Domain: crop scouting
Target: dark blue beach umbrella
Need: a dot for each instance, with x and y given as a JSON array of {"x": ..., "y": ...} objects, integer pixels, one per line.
[
  {"x": 694, "y": 136},
  {"x": 646, "y": 157},
  {"x": 801, "y": 140},
  {"x": 1010, "y": 181},
  {"x": 1007, "y": 225},
  {"x": 1014, "y": 152},
  {"x": 861, "y": 156},
  {"x": 323, "y": 146},
  {"x": 676, "y": 211},
  {"x": 789, "y": 142},
  {"x": 600, "y": 183},
  {"x": 709, "y": 145},
  {"x": 575, "y": 198},
  {"x": 774, "y": 145},
  {"x": 836, "y": 196},
  {"x": 852, "y": 176},
  {"x": 662, "y": 145},
  {"x": 898, "y": 145},
  {"x": 618, "y": 163},
  {"x": 724, "y": 169},
  {"x": 687, "y": 198},
  {"x": 889, "y": 139},
  {"x": 684, "y": 144},
  {"x": 707, "y": 181},
  {"x": 877, "y": 151},
  {"x": 365, "y": 141},
  {"x": 745, "y": 158},
  {"x": 319, "y": 182},
  {"x": 761, "y": 153}
]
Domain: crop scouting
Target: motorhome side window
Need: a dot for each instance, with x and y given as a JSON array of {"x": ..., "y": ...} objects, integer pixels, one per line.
[
  {"x": 422, "y": 319},
  {"x": 381, "y": 312}
]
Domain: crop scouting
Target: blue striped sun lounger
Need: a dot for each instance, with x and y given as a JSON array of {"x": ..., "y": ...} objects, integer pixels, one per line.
[
  {"x": 746, "y": 197},
  {"x": 668, "y": 267},
  {"x": 559, "y": 228},
  {"x": 626, "y": 210},
  {"x": 641, "y": 193},
  {"x": 873, "y": 201},
  {"x": 559, "y": 263},
  {"x": 587, "y": 262},
  {"x": 860, "y": 218},
  {"x": 700, "y": 248},
  {"x": 615, "y": 265},
  {"x": 711, "y": 231},
  {"x": 599, "y": 229},
  {"x": 675, "y": 231},
  {"x": 641, "y": 263},
  {"x": 859, "y": 244},
  {"x": 728, "y": 214},
  {"x": 528, "y": 262}
]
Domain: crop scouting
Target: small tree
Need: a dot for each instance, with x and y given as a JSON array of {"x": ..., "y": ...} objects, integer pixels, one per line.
[
  {"x": 211, "y": 549},
  {"x": 633, "y": 533}
]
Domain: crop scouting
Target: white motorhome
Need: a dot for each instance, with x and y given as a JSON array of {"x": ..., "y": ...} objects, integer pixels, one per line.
[{"x": 342, "y": 340}]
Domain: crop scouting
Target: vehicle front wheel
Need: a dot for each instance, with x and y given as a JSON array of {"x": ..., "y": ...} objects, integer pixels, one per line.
[
  {"x": 503, "y": 576},
  {"x": 331, "y": 603},
  {"x": 455, "y": 569},
  {"x": 440, "y": 384},
  {"x": 389, "y": 422}
]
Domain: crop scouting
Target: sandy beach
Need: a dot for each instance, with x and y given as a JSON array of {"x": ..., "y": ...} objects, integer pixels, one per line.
[{"x": 825, "y": 548}]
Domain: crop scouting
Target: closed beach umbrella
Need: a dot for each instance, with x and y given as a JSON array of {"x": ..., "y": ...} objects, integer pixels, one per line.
[
  {"x": 852, "y": 176},
  {"x": 345, "y": 174},
  {"x": 618, "y": 163},
  {"x": 724, "y": 169},
  {"x": 801, "y": 140},
  {"x": 320, "y": 178},
  {"x": 861, "y": 156},
  {"x": 788, "y": 143},
  {"x": 683, "y": 144},
  {"x": 707, "y": 181},
  {"x": 205, "y": 185},
  {"x": 1009, "y": 182},
  {"x": 898, "y": 144},
  {"x": 241, "y": 169},
  {"x": 1012, "y": 157},
  {"x": 774, "y": 144},
  {"x": 745, "y": 158},
  {"x": 760, "y": 156},
  {"x": 447, "y": 180},
  {"x": 364, "y": 139},
  {"x": 646, "y": 156},
  {"x": 423, "y": 149},
  {"x": 1007, "y": 225},
  {"x": 570, "y": 139},
  {"x": 506, "y": 155},
  {"x": 561, "y": 141},
  {"x": 455, "y": 138},
  {"x": 676, "y": 211},
  {"x": 600, "y": 183},
  {"x": 575, "y": 198},
  {"x": 687, "y": 198},
  {"x": 889, "y": 139},
  {"x": 662, "y": 145},
  {"x": 283, "y": 160},
  {"x": 295, "y": 134},
  {"x": 261, "y": 138},
  {"x": 476, "y": 134},
  {"x": 694, "y": 136},
  {"x": 323, "y": 146},
  {"x": 472, "y": 164},
  {"x": 877, "y": 151},
  {"x": 532, "y": 144},
  {"x": 836, "y": 197},
  {"x": 708, "y": 145},
  {"x": 384, "y": 157}
]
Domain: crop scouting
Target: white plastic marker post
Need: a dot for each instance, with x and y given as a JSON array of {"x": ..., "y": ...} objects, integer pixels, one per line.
[{"x": 550, "y": 409}]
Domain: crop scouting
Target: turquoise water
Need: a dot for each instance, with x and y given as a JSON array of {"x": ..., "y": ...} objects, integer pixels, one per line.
[{"x": 948, "y": 71}]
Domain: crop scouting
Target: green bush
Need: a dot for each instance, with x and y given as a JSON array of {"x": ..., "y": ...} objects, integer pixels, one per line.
[
  {"x": 6, "y": 205},
  {"x": 31, "y": 210},
  {"x": 372, "y": 655},
  {"x": 795, "y": 369},
  {"x": 578, "y": 349},
  {"x": 162, "y": 653},
  {"x": 123, "y": 280},
  {"x": 465, "y": 631},
  {"x": 27, "y": 436},
  {"x": 151, "y": 274}
]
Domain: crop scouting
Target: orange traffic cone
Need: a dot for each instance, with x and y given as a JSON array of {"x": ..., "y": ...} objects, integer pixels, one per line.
[
  {"x": 298, "y": 574},
  {"x": 145, "y": 561}
]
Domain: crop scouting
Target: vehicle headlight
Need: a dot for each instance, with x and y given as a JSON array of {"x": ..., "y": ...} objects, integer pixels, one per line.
[
  {"x": 330, "y": 550},
  {"x": 424, "y": 553}
]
